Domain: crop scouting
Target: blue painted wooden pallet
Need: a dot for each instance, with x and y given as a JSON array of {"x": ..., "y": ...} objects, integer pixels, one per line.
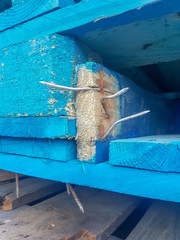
[
  {"x": 131, "y": 181},
  {"x": 158, "y": 153},
  {"x": 112, "y": 30}
]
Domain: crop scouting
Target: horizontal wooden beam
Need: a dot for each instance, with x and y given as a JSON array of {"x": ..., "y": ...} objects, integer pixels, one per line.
[
  {"x": 144, "y": 183},
  {"x": 38, "y": 127},
  {"x": 56, "y": 149},
  {"x": 158, "y": 153},
  {"x": 110, "y": 31},
  {"x": 31, "y": 189},
  {"x": 23, "y": 10},
  {"x": 66, "y": 18}
]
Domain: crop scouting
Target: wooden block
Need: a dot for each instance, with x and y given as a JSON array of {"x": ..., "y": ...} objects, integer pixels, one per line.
[
  {"x": 56, "y": 149},
  {"x": 158, "y": 153},
  {"x": 31, "y": 189},
  {"x": 60, "y": 218},
  {"x": 93, "y": 123},
  {"x": 138, "y": 182},
  {"x": 162, "y": 222}
]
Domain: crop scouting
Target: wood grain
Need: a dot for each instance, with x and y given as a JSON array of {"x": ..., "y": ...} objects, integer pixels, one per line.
[{"x": 59, "y": 217}]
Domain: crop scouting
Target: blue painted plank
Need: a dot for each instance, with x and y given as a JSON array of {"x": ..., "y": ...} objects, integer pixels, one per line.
[
  {"x": 126, "y": 40},
  {"x": 38, "y": 127},
  {"x": 61, "y": 3},
  {"x": 51, "y": 58},
  {"x": 67, "y": 18},
  {"x": 105, "y": 24},
  {"x": 158, "y": 153},
  {"x": 56, "y": 149},
  {"x": 136, "y": 182},
  {"x": 25, "y": 10},
  {"x": 135, "y": 100}
]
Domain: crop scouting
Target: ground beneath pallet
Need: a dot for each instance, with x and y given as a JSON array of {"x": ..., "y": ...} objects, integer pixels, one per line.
[{"x": 107, "y": 215}]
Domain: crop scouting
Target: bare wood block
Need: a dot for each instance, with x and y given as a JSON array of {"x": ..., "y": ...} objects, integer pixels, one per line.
[
  {"x": 60, "y": 218},
  {"x": 30, "y": 190}
]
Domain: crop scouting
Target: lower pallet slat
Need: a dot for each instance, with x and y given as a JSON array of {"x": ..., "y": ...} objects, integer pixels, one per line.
[
  {"x": 31, "y": 189},
  {"x": 138, "y": 182},
  {"x": 60, "y": 218},
  {"x": 161, "y": 221}
]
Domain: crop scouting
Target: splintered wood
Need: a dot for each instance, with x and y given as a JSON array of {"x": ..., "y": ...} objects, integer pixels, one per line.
[{"x": 92, "y": 120}]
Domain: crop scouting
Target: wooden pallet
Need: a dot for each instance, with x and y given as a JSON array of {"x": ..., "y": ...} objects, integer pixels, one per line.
[{"x": 106, "y": 213}]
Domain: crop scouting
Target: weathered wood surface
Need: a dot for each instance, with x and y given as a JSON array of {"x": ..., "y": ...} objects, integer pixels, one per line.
[
  {"x": 7, "y": 176},
  {"x": 93, "y": 123},
  {"x": 30, "y": 189},
  {"x": 136, "y": 182},
  {"x": 59, "y": 217},
  {"x": 161, "y": 221},
  {"x": 56, "y": 149},
  {"x": 50, "y": 58},
  {"x": 38, "y": 127},
  {"x": 159, "y": 153}
]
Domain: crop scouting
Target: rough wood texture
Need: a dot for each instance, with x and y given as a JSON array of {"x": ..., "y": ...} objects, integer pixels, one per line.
[
  {"x": 159, "y": 153},
  {"x": 92, "y": 122},
  {"x": 50, "y": 58},
  {"x": 6, "y": 176},
  {"x": 56, "y": 149},
  {"x": 30, "y": 190},
  {"x": 162, "y": 222},
  {"x": 150, "y": 184},
  {"x": 59, "y": 217}
]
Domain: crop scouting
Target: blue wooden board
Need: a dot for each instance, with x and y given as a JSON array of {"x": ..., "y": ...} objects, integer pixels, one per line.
[
  {"x": 158, "y": 153},
  {"x": 136, "y": 182},
  {"x": 56, "y": 149},
  {"x": 67, "y": 18},
  {"x": 23, "y": 66},
  {"x": 146, "y": 35},
  {"x": 26, "y": 10},
  {"x": 38, "y": 127},
  {"x": 113, "y": 30}
]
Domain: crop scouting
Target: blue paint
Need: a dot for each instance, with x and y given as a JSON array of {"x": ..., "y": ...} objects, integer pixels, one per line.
[
  {"x": 5, "y": 4},
  {"x": 176, "y": 107},
  {"x": 38, "y": 127},
  {"x": 26, "y": 10},
  {"x": 23, "y": 66},
  {"x": 67, "y": 18},
  {"x": 56, "y": 149},
  {"x": 157, "y": 153},
  {"x": 142, "y": 183}
]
